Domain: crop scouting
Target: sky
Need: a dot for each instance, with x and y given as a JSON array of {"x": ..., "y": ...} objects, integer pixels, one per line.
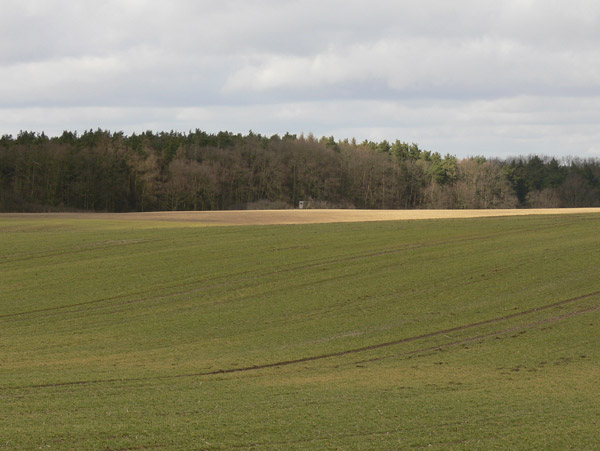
[{"x": 497, "y": 78}]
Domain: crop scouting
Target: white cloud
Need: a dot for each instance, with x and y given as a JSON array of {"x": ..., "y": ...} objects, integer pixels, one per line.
[
  {"x": 465, "y": 76},
  {"x": 483, "y": 66}
]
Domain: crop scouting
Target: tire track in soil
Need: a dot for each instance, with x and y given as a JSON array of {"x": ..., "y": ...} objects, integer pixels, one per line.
[
  {"x": 72, "y": 251},
  {"x": 523, "y": 327},
  {"x": 252, "y": 275},
  {"x": 310, "y": 440},
  {"x": 364, "y": 348}
]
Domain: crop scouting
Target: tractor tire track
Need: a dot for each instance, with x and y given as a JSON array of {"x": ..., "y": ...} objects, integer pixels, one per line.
[
  {"x": 79, "y": 250},
  {"x": 366, "y": 348},
  {"x": 251, "y": 275},
  {"x": 523, "y": 327}
]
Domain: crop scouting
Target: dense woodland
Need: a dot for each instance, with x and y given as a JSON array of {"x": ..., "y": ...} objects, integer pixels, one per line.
[{"x": 104, "y": 171}]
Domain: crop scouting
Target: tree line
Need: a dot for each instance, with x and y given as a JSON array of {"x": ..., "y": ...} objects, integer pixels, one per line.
[{"x": 104, "y": 171}]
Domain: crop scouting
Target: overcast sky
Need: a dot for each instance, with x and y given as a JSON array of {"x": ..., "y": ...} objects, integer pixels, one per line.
[{"x": 466, "y": 77}]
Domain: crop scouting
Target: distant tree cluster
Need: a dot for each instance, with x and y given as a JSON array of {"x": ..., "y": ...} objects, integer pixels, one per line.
[{"x": 104, "y": 171}]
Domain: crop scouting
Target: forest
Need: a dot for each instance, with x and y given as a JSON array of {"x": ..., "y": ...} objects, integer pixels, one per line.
[{"x": 113, "y": 172}]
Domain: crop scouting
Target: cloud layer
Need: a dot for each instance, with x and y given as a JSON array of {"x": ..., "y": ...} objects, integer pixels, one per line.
[{"x": 464, "y": 77}]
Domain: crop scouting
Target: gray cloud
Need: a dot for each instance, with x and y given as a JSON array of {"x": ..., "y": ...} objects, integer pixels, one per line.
[{"x": 466, "y": 77}]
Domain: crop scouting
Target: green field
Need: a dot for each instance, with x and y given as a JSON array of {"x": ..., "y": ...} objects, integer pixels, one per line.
[{"x": 464, "y": 333}]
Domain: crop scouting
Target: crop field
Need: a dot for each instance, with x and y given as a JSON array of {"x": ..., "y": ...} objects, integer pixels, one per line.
[
  {"x": 141, "y": 332},
  {"x": 273, "y": 217}
]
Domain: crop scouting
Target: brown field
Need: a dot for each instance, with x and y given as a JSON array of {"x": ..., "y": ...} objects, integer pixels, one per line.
[{"x": 269, "y": 217}]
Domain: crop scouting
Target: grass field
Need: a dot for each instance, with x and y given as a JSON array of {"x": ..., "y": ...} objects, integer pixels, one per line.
[{"x": 141, "y": 333}]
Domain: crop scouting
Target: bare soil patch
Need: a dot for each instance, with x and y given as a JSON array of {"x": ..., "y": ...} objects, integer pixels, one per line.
[{"x": 272, "y": 217}]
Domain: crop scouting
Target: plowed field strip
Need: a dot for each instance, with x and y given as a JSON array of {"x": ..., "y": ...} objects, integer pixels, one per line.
[
  {"x": 365, "y": 348},
  {"x": 275, "y": 217}
]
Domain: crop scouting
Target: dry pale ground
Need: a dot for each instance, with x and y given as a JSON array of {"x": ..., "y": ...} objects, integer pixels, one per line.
[{"x": 266, "y": 217}]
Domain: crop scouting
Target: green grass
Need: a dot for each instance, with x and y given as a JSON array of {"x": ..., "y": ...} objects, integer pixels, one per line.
[{"x": 466, "y": 334}]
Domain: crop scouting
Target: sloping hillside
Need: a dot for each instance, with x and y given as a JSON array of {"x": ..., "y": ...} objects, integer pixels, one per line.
[{"x": 144, "y": 334}]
